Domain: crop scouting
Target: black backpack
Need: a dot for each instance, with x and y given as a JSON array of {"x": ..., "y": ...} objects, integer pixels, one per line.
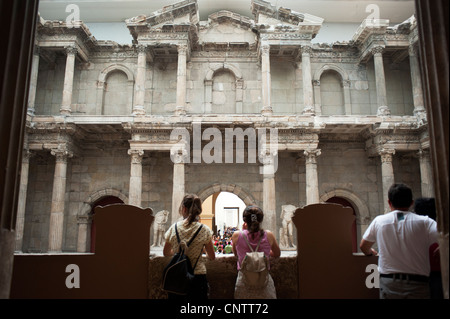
[{"x": 179, "y": 273}]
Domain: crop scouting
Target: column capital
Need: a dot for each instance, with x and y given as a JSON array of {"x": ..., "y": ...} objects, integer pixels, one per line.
[
  {"x": 84, "y": 219},
  {"x": 346, "y": 83},
  {"x": 26, "y": 155},
  {"x": 141, "y": 48},
  {"x": 61, "y": 154},
  {"x": 71, "y": 50},
  {"x": 423, "y": 153},
  {"x": 179, "y": 155},
  {"x": 377, "y": 50},
  {"x": 311, "y": 155},
  {"x": 306, "y": 49},
  {"x": 136, "y": 156},
  {"x": 386, "y": 155},
  {"x": 265, "y": 48},
  {"x": 182, "y": 49}
]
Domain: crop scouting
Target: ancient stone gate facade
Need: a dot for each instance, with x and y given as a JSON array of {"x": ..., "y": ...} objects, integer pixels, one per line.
[{"x": 103, "y": 118}]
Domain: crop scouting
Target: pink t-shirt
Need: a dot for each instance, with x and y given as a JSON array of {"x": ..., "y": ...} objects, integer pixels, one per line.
[{"x": 242, "y": 247}]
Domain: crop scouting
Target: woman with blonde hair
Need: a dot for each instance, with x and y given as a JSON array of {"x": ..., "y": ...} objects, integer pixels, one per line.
[
  {"x": 254, "y": 238},
  {"x": 190, "y": 209}
]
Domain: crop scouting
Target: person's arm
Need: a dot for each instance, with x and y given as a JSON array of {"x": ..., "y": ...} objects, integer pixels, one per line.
[
  {"x": 366, "y": 247},
  {"x": 274, "y": 248},
  {"x": 167, "y": 251},
  {"x": 209, "y": 247},
  {"x": 234, "y": 239}
]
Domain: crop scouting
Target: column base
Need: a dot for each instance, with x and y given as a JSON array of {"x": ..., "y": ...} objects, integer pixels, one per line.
[
  {"x": 267, "y": 111},
  {"x": 65, "y": 111},
  {"x": 421, "y": 115},
  {"x": 383, "y": 111},
  {"x": 179, "y": 110},
  {"x": 309, "y": 110},
  {"x": 138, "y": 110}
]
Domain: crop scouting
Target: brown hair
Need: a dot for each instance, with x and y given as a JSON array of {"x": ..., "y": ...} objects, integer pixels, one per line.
[
  {"x": 253, "y": 217},
  {"x": 193, "y": 206}
]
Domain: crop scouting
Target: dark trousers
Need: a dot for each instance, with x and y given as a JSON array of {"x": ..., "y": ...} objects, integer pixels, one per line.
[{"x": 199, "y": 291}]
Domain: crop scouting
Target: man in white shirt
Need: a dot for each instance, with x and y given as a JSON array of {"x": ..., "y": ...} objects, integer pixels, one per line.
[{"x": 403, "y": 240}]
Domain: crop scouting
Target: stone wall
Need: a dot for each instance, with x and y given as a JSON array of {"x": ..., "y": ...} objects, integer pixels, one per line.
[{"x": 222, "y": 273}]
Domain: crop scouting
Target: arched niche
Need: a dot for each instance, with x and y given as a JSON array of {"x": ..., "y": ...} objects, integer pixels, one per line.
[
  {"x": 217, "y": 69},
  {"x": 361, "y": 210},
  {"x": 344, "y": 82},
  {"x": 111, "y": 70},
  {"x": 84, "y": 217}
]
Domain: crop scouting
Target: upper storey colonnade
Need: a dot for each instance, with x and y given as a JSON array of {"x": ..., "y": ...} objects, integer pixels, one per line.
[{"x": 267, "y": 66}]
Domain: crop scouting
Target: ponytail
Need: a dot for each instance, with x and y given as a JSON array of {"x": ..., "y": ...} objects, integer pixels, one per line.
[
  {"x": 193, "y": 206},
  {"x": 253, "y": 217}
]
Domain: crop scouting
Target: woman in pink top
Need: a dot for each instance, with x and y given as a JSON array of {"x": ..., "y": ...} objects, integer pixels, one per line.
[{"x": 253, "y": 216}]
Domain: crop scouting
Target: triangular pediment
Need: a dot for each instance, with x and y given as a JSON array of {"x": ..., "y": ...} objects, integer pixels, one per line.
[
  {"x": 265, "y": 13},
  {"x": 184, "y": 12},
  {"x": 225, "y": 27}
]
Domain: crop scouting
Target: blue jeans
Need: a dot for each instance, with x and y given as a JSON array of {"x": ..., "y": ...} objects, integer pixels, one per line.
[{"x": 395, "y": 288}]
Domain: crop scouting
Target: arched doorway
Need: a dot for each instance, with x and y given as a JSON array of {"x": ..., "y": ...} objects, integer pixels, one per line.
[
  {"x": 104, "y": 201},
  {"x": 346, "y": 203},
  {"x": 222, "y": 210}
]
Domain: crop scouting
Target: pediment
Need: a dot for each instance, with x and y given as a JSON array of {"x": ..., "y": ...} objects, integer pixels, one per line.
[
  {"x": 265, "y": 13},
  {"x": 226, "y": 26},
  {"x": 184, "y": 12}
]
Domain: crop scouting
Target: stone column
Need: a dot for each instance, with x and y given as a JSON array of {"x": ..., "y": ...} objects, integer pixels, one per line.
[
  {"x": 21, "y": 203},
  {"x": 33, "y": 82},
  {"x": 380, "y": 81},
  {"x": 139, "y": 99},
  {"x": 300, "y": 161},
  {"x": 387, "y": 175},
  {"x": 178, "y": 157},
  {"x": 266, "y": 81},
  {"x": 312, "y": 178},
  {"x": 269, "y": 195},
  {"x": 84, "y": 223},
  {"x": 135, "y": 191},
  {"x": 426, "y": 174},
  {"x": 181, "y": 80},
  {"x": 308, "y": 100},
  {"x": 55, "y": 237},
  {"x": 71, "y": 52},
  {"x": 419, "y": 108},
  {"x": 347, "y": 97},
  {"x": 317, "y": 99}
]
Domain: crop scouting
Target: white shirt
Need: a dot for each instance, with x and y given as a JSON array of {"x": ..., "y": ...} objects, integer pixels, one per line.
[{"x": 403, "y": 242}]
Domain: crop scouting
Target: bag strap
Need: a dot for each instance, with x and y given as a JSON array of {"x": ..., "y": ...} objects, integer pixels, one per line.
[
  {"x": 193, "y": 237},
  {"x": 246, "y": 239},
  {"x": 190, "y": 241}
]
